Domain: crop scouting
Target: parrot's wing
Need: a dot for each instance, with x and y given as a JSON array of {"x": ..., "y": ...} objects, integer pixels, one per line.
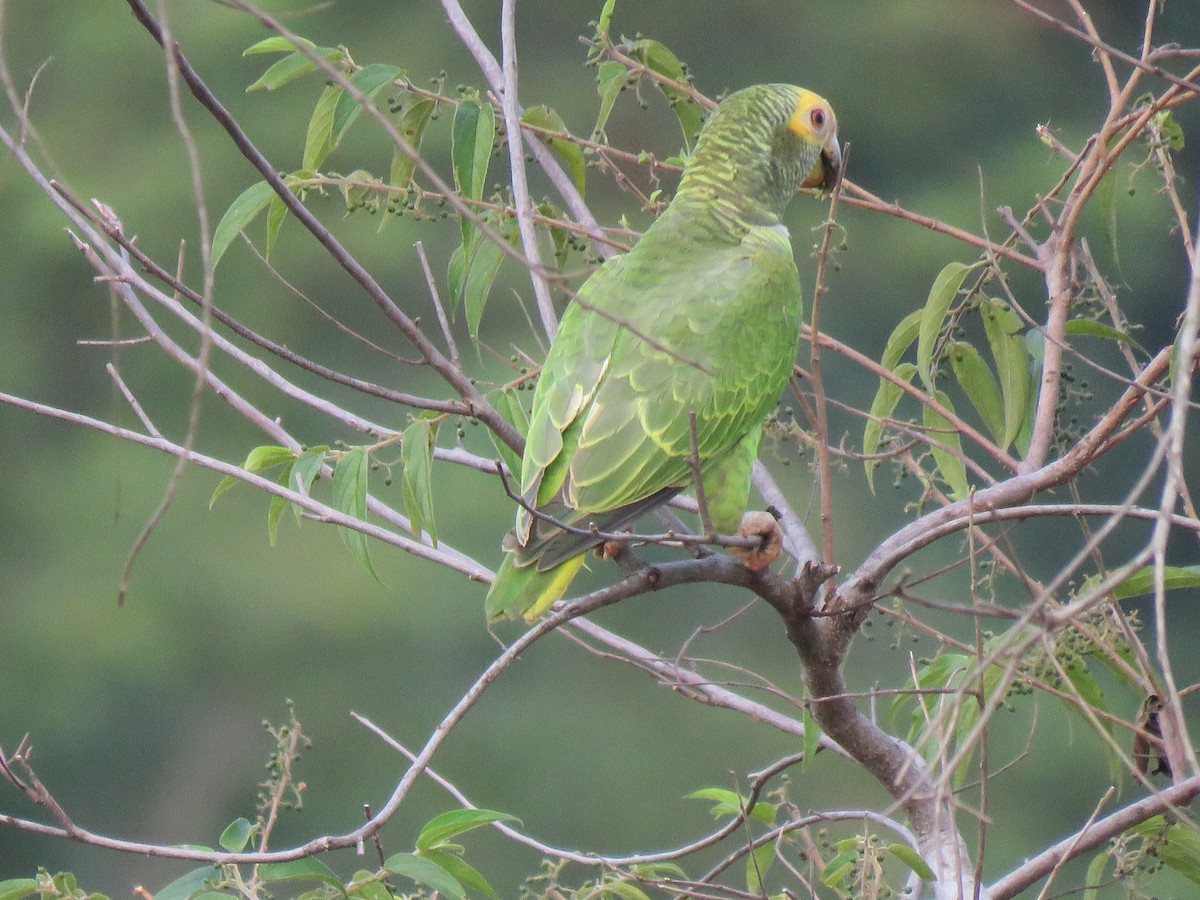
[{"x": 654, "y": 341}]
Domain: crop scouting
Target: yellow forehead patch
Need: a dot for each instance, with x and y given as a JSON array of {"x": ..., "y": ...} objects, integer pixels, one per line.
[{"x": 801, "y": 121}]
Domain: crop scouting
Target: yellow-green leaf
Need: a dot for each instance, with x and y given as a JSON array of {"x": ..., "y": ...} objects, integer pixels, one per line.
[
  {"x": 933, "y": 316},
  {"x": 568, "y": 151},
  {"x": 658, "y": 58},
  {"x": 411, "y": 126},
  {"x": 416, "y": 455},
  {"x": 979, "y": 384},
  {"x": 912, "y": 859},
  {"x": 901, "y": 339},
  {"x": 610, "y": 79},
  {"x": 318, "y": 141},
  {"x": 1003, "y": 329},
  {"x": 242, "y": 211},
  {"x": 291, "y": 67},
  {"x": 427, "y": 872},
  {"x": 370, "y": 79},
  {"x": 948, "y": 456},
  {"x": 350, "y": 498}
]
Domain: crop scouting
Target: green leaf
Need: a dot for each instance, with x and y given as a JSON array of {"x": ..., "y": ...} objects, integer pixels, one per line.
[
  {"x": 1176, "y": 845},
  {"x": 263, "y": 457},
  {"x": 1088, "y": 688},
  {"x": 887, "y": 395},
  {"x": 606, "y": 13},
  {"x": 248, "y": 204},
  {"x": 758, "y": 862},
  {"x": 622, "y": 889},
  {"x": 291, "y": 67},
  {"x": 1094, "y": 876},
  {"x": 949, "y": 456},
  {"x": 350, "y": 497},
  {"x": 456, "y": 269},
  {"x": 190, "y": 885},
  {"x": 276, "y": 212},
  {"x": 1003, "y": 329},
  {"x": 610, "y": 80},
  {"x": 416, "y": 455},
  {"x": 658, "y": 58},
  {"x": 369, "y": 886},
  {"x": 1093, "y": 328},
  {"x": 729, "y": 803},
  {"x": 979, "y": 384},
  {"x": 306, "y": 468},
  {"x": 508, "y": 404},
  {"x": 901, "y": 339},
  {"x": 411, "y": 126},
  {"x": 472, "y": 134},
  {"x": 912, "y": 859},
  {"x": 933, "y": 316},
  {"x": 318, "y": 141},
  {"x": 16, "y": 888},
  {"x": 425, "y": 871},
  {"x": 237, "y": 835},
  {"x": 568, "y": 151},
  {"x": 309, "y": 868},
  {"x": 481, "y": 273},
  {"x": 278, "y": 504},
  {"x": 276, "y": 44},
  {"x": 1141, "y": 581},
  {"x": 442, "y": 827},
  {"x": 1170, "y": 130},
  {"x": 461, "y": 871},
  {"x": 838, "y": 868},
  {"x": 370, "y": 79}
]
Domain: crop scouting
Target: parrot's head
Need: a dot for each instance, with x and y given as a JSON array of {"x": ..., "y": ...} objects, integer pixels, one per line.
[{"x": 760, "y": 145}]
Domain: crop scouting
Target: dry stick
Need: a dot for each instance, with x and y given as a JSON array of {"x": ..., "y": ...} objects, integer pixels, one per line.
[
  {"x": 478, "y": 405},
  {"x": 288, "y": 355},
  {"x": 1179, "y": 749},
  {"x": 815, "y": 366},
  {"x": 516, "y": 162},
  {"x": 206, "y": 303}
]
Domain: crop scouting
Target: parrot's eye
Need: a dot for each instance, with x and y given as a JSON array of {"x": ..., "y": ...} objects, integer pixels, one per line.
[{"x": 817, "y": 118}]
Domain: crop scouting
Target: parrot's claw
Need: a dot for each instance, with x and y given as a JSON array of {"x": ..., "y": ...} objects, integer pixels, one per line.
[{"x": 761, "y": 525}]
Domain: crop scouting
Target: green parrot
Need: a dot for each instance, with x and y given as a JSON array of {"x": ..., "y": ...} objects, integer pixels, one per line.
[{"x": 698, "y": 322}]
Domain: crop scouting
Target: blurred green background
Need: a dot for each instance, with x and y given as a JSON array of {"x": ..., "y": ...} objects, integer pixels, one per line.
[{"x": 147, "y": 719}]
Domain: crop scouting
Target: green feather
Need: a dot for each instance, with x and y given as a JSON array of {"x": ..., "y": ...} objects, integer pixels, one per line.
[{"x": 702, "y": 316}]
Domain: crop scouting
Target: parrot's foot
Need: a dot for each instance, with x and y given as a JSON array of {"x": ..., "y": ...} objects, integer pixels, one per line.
[{"x": 761, "y": 525}]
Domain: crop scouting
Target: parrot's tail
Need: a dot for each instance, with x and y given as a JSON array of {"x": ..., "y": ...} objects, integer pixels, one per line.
[{"x": 525, "y": 590}]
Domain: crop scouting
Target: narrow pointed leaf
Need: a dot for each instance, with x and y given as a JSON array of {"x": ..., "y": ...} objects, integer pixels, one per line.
[
  {"x": 758, "y": 862},
  {"x": 509, "y": 406},
  {"x": 425, "y": 871},
  {"x": 291, "y": 67},
  {"x": 411, "y": 126},
  {"x": 248, "y": 204},
  {"x": 912, "y": 859},
  {"x": 887, "y": 395},
  {"x": 933, "y": 316},
  {"x": 1095, "y": 876},
  {"x": 658, "y": 58},
  {"x": 1092, "y": 328},
  {"x": 1003, "y": 329},
  {"x": 276, "y": 44},
  {"x": 901, "y": 339},
  {"x": 304, "y": 472},
  {"x": 979, "y": 384},
  {"x": 442, "y": 827},
  {"x": 1142, "y": 580},
  {"x": 318, "y": 141},
  {"x": 950, "y": 465},
  {"x": 370, "y": 79},
  {"x": 610, "y": 79},
  {"x": 190, "y": 885},
  {"x": 568, "y": 151},
  {"x": 276, "y": 212},
  {"x": 278, "y": 504},
  {"x": 263, "y": 457},
  {"x": 16, "y": 888},
  {"x": 350, "y": 497},
  {"x": 606, "y": 13},
  {"x": 416, "y": 455}
]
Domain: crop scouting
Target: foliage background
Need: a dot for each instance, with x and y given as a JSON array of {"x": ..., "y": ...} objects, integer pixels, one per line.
[{"x": 147, "y": 718}]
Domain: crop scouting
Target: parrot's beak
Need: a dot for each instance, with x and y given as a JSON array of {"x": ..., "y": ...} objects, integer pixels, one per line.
[{"x": 825, "y": 173}]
